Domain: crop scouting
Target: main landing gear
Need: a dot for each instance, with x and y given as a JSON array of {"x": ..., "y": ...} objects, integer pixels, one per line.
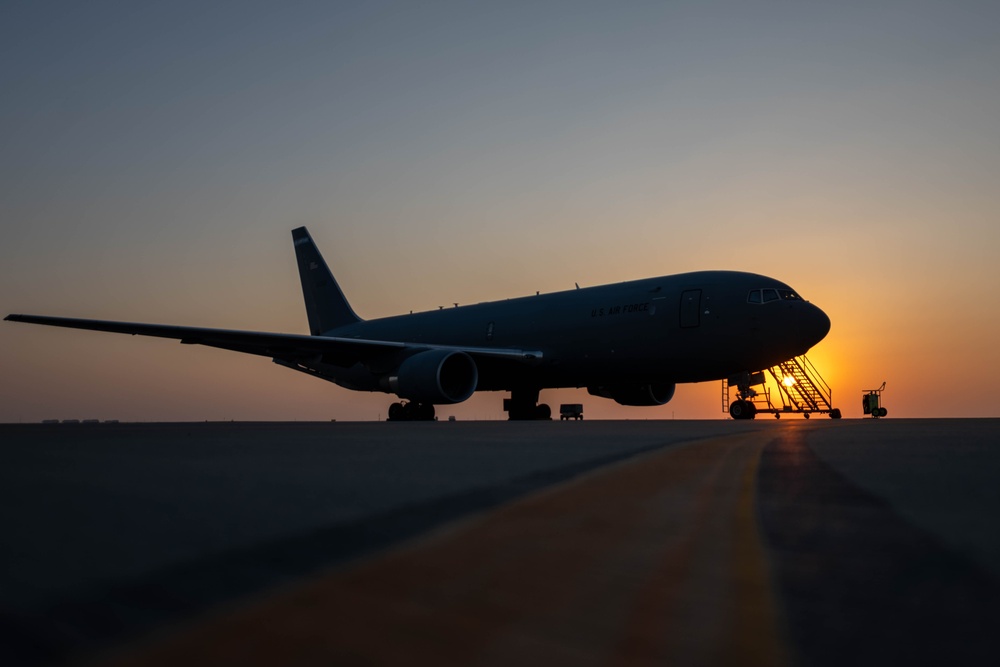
[
  {"x": 523, "y": 405},
  {"x": 411, "y": 412}
]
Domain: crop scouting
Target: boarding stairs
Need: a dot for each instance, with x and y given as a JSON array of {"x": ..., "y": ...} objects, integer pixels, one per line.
[
  {"x": 808, "y": 392},
  {"x": 801, "y": 388}
]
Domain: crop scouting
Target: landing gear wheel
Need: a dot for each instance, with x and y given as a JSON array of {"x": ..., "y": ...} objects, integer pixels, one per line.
[
  {"x": 738, "y": 410},
  {"x": 543, "y": 411},
  {"x": 751, "y": 410},
  {"x": 396, "y": 412}
]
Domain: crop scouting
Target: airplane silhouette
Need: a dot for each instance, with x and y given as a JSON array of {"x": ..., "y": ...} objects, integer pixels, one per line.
[{"x": 631, "y": 342}]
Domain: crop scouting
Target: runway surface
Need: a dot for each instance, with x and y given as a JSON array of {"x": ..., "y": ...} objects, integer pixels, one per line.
[{"x": 770, "y": 542}]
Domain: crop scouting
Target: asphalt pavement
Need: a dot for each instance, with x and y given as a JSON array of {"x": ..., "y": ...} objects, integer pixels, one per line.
[{"x": 652, "y": 542}]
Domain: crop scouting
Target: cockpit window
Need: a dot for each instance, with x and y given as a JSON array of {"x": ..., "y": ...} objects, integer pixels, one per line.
[{"x": 768, "y": 295}]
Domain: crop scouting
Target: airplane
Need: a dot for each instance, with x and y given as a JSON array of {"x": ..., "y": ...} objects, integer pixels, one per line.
[{"x": 631, "y": 342}]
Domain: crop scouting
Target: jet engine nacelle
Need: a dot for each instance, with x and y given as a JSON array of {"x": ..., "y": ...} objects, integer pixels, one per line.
[
  {"x": 654, "y": 393},
  {"x": 436, "y": 376}
]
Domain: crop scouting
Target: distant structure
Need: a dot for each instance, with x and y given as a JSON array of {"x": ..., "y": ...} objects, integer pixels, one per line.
[{"x": 78, "y": 421}]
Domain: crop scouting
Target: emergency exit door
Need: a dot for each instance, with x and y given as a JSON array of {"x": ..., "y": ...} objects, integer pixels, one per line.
[{"x": 690, "y": 308}]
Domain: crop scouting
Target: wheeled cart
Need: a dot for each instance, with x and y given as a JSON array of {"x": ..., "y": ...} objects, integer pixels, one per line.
[
  {"x": 871, "y": 402},
  {"x": 571, "y": 411}
]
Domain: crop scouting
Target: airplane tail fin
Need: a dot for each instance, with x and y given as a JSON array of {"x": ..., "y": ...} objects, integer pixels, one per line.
[{"x": 326, "y": 305}]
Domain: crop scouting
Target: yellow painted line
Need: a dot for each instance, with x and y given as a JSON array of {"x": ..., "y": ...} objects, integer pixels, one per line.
[
  {"x": 758, "y": 635},
  {"x": 656, "y": 560}
]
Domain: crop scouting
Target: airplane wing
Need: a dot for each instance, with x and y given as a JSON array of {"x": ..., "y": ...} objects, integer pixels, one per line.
[{"x": 339, "y": 351}]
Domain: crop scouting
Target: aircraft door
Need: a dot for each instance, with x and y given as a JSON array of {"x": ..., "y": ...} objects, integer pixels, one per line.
[{"x": 690, "y": 308}]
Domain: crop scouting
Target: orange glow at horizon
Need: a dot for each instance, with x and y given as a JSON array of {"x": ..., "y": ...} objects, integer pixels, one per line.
[{"x": 441, "y": 156}]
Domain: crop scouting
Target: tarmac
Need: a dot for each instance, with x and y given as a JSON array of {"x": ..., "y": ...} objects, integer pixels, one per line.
[{"x": 821, "y": 542}]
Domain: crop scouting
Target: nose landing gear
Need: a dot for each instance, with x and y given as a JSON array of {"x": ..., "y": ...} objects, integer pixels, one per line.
[{"x": 741, "y": 409}]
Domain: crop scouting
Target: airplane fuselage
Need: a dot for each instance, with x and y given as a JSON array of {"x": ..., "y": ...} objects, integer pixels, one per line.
[{"x": 688, "y": 327}]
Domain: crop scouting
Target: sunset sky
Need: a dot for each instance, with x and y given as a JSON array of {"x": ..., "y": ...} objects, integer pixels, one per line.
[{"x": 155, "y": 156}]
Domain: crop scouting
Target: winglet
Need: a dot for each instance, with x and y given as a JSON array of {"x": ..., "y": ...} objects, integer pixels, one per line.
[{"x": 326, "y": 305}]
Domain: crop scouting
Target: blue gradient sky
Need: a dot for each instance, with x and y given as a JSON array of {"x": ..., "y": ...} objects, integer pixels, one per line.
[{"x": 154, "y": 156}]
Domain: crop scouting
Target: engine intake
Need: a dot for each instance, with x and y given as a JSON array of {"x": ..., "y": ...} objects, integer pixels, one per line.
[
  {"x": 654, "y": 393},
  {"x": 436, "y": 376}
]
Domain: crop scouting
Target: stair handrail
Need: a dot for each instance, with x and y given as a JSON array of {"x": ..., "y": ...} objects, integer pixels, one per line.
[
  {"x": 822, "y": 386},
  {"x": 786, "y": 391}
]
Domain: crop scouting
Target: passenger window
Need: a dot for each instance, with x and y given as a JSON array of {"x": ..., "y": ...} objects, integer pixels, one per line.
[
  {"x": 770, "y": 295},
  {"x": 754, "y": 296}
]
